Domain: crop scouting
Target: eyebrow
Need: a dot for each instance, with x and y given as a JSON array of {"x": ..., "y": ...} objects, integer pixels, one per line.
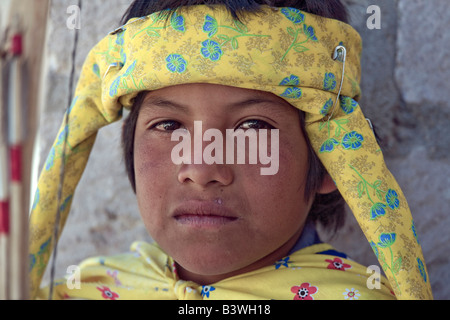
[
  {"x": 267, "y": 105},
  {"x": 161, "y": 103}
]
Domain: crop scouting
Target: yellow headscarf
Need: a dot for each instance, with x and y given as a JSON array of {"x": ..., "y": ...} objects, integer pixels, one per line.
[{"x": 311, "y": 61}]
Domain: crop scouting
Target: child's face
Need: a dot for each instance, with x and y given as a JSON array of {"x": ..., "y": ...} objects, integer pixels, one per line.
[{"x": 222, "y": 219}]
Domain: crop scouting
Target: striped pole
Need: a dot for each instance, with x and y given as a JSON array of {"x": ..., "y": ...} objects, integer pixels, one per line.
[
  {"x": 18, "y": 214},
  {"x": 4, "y": 192},
  {"x": 21, "y": 73}
]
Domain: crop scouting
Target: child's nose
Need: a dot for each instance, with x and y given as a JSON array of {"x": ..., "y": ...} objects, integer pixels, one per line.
[{"x": 204, "y": 174}]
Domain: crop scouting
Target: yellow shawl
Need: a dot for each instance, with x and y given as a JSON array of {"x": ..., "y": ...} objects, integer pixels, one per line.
[{"x": 312, "y": 273}]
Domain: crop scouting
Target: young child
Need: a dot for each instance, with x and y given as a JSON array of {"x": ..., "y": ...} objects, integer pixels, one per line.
[{"x": 197, "y": 78}]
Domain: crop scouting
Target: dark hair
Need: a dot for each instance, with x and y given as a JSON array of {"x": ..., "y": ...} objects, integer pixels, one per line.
[
  {"x": 327, "y": 209},
  {"x": 333, "y": 9}
]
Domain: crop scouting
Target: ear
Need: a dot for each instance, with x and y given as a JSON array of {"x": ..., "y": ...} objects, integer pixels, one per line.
[{"x": 327, "y": 186}]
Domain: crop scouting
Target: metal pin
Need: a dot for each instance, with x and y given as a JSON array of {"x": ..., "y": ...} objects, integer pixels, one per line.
[
  {"x": 370, "y": 124},
  {"x": 339, "y": 54},
  {"x": 122, "y": 28}
]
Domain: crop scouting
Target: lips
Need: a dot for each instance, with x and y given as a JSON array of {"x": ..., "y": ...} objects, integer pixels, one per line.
[{"x": 203, "y": 214}]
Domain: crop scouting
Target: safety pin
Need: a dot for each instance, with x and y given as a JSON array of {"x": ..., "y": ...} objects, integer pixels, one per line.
[
  {"x": 339, "y": 54},
  {"x": 370, "y": 123},
  {"x": 122, "y": 28}
]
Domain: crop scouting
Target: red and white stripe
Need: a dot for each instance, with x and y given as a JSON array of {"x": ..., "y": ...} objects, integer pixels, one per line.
[{"x": 13, "y": 214}]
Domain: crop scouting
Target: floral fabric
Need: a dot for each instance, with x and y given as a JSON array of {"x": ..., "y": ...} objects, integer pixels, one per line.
[
  {"x": 148, "y": 273},
  {"x": 280, "y": 50}
]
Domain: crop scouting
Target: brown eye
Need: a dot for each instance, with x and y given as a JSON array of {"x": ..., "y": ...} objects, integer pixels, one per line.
[
  {"x": 255, "y": 124},
  {"x": 167, "y": 125}
]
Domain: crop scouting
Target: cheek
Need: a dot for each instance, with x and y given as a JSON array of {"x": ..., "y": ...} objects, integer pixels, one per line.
[
  {"x": 153, "y": 171},
  {"x": 280, "y": 197},
  {"x": 149, "y": 160},
  {"x": 292, "y": 168},
  {"x": 152, "y": 156}
]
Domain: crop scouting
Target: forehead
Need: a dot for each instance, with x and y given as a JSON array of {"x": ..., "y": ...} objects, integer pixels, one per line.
[{"x": 189, "y": 97}]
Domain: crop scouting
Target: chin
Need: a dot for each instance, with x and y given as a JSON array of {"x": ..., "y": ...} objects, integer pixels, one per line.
[{"x": 211, "y": 261}]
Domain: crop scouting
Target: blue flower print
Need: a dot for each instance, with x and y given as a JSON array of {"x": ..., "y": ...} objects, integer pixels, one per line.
[
  {"x": 206, "y": 290},
  {"x": 292, "y": 80},
  {"x": 176, "y": 63},
  {"x": 51, "y": 159},
  {"x": 348, "y": 104},
  {"x": 413, "y": 228},
  {"x": 295, "y": 15},
  {"x": 352, "y": 140},
  {"x": 96, "y": 69},
  {"x": 45, "y": 246},
  {"x": 422, "y": 269},
  {"x": 374, "y": 248},
  {"x": 62, "y": 136},
  {"x": 392, "y": 199},
  {"x": 210, "y": 26},
  {"x": 74, "y": 101},
  {"x": 329, "y": 82},
  {"x": 378, "y": 209},
  {"x": 292, "y": 93},
  {"x": 65, "y": 203},
  {"x": 36, "y": 259},
  {"x": 326, "y": 107},
  {"x": 299, "y": 35},
  {"x": 130, "y": 69},
  {"x": 310, "y": 33},
  {"x": 329, "y": 145},
  {"x": 119, "y": 39},
  {"x": 387, "y": 240},
  {"x": 123, "y": 56},
  {"x": 211, "y": 50},
  {"x": 114, "y": 87},
  {"x": 32, "y": 260},
  {"x": 282, "y": 263},
  {"x": 177, "y": 22}
]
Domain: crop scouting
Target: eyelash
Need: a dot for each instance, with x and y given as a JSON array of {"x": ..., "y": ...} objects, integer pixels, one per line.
[
  {"x": 263, "y": 125},
  {"x": 163, "y": 123}
]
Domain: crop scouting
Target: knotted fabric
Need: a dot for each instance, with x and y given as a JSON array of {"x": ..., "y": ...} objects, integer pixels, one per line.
[
  {"x": 280, "y": 50},
  {"x": 312, "y": 273}
]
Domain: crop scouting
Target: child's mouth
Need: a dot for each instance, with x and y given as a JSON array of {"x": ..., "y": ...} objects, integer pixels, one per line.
[
  {"x": 203, "y": 214},
  {"x": 204, "y": 220}
]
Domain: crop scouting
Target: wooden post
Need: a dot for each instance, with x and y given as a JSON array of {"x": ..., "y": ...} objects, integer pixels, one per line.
[{"x": 26, "y": 24}]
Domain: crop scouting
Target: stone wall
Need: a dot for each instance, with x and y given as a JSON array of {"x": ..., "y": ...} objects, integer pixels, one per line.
[{"x": 405, "y": 94}]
